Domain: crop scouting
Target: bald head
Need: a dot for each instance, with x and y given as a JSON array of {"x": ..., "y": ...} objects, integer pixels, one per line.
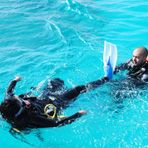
[{"x": 139, "y": 55}]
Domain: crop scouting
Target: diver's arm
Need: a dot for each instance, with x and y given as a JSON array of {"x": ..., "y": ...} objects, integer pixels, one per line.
[
  {"x": 92, "y": 85},
  {"x": 122, "y": 66},
  {"x": 74, "y": 92},
  {"x": 68, "y": 120},
  {"x": 12, "y": 86},
  {"x": 39, "y": 121},
  {"x": 95, "y": 84}
]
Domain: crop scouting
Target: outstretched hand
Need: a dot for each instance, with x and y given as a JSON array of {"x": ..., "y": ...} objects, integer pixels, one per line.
[
  {"x": 82, "y": 112},
  {"x": 18, "y": 78}
]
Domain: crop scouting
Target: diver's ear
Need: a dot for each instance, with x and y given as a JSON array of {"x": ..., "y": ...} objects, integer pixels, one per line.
[{"x": 147, "y": 59}]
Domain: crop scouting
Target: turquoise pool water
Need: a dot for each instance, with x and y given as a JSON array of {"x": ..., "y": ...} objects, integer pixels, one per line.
[{"x": 44, "y": 39}]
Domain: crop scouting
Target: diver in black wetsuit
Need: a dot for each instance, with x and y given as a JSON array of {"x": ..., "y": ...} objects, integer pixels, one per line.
[
  {"x": 138, "y": 66},
  {"x": 25, "y": 111}
]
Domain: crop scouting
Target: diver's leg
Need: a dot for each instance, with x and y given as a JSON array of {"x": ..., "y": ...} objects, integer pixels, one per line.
[
  {"x": 53, "y": 88},
  {"x": 55, "y": 85}
]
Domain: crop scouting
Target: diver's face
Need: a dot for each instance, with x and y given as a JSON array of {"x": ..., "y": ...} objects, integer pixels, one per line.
[{"x": 138, "y": 57}]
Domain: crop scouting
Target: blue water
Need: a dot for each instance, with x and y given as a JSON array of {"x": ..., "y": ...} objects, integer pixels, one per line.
[{"x": 44, "y": 39}]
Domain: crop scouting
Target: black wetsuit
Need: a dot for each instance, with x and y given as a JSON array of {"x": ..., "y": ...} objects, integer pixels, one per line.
[
  {"x": 35, "y": 117},
  {"x": 139, "y": 72}
]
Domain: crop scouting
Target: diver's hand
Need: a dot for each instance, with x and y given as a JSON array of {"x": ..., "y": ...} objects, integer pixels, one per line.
[
  {"x": 82, "y": 112},
  {"x": 105, "y": 79},
  {"x": 18, "y": 78}
]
